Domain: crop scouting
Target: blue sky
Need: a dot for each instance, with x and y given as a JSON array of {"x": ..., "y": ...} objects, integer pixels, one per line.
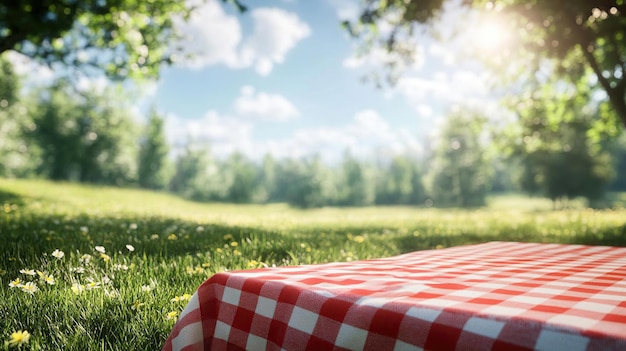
[{"x": 282, "y": 78}]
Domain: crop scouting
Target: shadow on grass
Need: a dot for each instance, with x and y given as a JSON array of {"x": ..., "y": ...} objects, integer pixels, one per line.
[{"x": 9, "y": 198}]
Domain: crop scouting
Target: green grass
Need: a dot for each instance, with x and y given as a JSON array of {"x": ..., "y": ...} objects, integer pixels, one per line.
[{"x": 178, "y": 244}]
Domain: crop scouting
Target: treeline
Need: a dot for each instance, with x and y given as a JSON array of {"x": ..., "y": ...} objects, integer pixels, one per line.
[{"x": 61, "y": 132}]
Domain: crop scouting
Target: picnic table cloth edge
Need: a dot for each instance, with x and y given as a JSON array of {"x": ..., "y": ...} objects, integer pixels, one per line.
[{"x": 496, "y": 295}]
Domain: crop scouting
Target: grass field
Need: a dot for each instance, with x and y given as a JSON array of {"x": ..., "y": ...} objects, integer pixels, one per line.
[{"x": 109, "y": 269}]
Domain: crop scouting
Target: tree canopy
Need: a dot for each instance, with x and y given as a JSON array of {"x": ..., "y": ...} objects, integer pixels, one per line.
[
  {"x": 577, "y": 36},
  {"x": 122, "y": 38}
]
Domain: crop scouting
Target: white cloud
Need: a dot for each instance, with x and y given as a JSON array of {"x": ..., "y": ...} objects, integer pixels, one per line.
[
  {"x": 378, "y": 57},
  {"x": 346, "y": 9},
  {"x": 211, "y": 36},
  {"x": 276, "y": 32},
  {"x": 214, "y": 37},
  {"x": 264, "y": 105},
  {"x": 461, "y": 87},
  {"x": 367, "y": 133},
  {"x": 223, "y": 134}
]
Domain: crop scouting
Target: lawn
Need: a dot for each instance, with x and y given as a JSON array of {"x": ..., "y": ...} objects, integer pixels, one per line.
[{"x": 98, "y": 268}]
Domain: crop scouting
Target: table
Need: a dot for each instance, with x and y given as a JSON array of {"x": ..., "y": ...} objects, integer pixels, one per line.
[{"x": 491, "y": 296}]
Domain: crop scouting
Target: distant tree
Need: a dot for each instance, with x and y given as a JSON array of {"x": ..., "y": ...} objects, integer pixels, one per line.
[
  {"x": 400, "y": 183},
  {"x": 571, "y": 37},
  {"x": 153, "y": 168},
  {"x": 306, "y": 183},
  {"x": 267, "y": 180},
  {"x": 123, "y": 38},
  {"x": 561, "y": 161},
  {"x": 84, "y": 136},
  {"x": 191, "y": 167},
  {"x": 357, "y": 187},
  {"x": 618, "y": 152},
  {"x": 244, "y": 178},
  {"x": 17, "y": 158},
  {"x": 459, "y": 174}
]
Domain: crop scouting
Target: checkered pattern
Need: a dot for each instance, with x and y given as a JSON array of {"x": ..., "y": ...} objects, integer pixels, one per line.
[{"x": 492, "y": 296}]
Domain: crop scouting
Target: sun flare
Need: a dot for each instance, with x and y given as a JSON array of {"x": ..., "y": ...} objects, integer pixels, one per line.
[{"x": 490, "y": 35}]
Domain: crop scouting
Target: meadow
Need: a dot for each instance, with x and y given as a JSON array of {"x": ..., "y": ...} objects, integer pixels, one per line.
[{"x": 99, "y": 268}]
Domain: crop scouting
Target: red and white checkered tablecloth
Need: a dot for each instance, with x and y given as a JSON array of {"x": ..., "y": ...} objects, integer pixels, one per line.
[{"x": 492, "y": 296}]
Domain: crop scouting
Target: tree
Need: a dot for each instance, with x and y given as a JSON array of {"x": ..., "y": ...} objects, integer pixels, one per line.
[
  {"x": 357, "y": 187},
  {"x": 400, "y": 183},
  {"x": 244, "y": 178},
  {"x": 458, "y": 174},
  {"x": 561, "y": 161},
  {"x": 120, "y": 37},
  {"x": 17, "y": 159},
  {"x": 573, "y": 36},
  {"x": 152, "y": 171},
  {"x": 306, "y": 183},
  {"x": 84, "y": 136}
]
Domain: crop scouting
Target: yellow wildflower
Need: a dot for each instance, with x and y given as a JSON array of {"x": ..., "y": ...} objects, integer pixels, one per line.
[
  {"x": 15, "y": 283},
  {"x": 185, "y": 297},
  {"x": 105, "y": 257},
  {"x": 229, "y": 237},
  {"x": 19, "y": 338},
  {"x": 172, "y": 237},
  {"x": 171, "y": 315},
  {"x": 49, "y": 279},
  {"x": 29, "y": 287},
  {"x": 359, "y": 239},
  {"x": 234, "y": 244},
  {"x": 137, "y": 305}
]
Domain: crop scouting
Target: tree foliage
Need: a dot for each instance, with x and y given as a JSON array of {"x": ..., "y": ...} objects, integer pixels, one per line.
[
  {"x": 572, "y": 36},
  {"x": 458, "y": 174},
  {"x": 153, "y": 166},
  {"x": 123, "y": 38},
  {"x": 83, "y": 136}
]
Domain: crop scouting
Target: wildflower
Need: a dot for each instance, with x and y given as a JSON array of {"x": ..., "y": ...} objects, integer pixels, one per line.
[
  {"x": 218, "y": 250},
  {"x": 229, "y": 237},
  {"x": 84, "y": 229},
  {"x": 92, "y": 284},
  {"x": 253, "y": 263},
  {"x": 171, "y": 315},
  {"x": 106, "y": 280},
  {"x": 105, "y": 257},
  {"x": 15, "y": 283},
  {"x": 130, "y": 248},
  {"x": 206, "y": 265},
  {"x": 29, "y": 287},
  {"x": 77, "y": 288},
  {"x": 154, "y": 236},
  {"x": 175, "y": 299},
  {"x": 172, "y": 237},
  {"x": 58, "y": 254},
  {"x": 137, "y": 305},
  {"x": 49, "y": 279},
  {"x": 236, "y": 252},
  {"x": 234, "y": 244},
  {"x": 359, "y": 239},
  {"x": 27, "y": 272},
  {"x": 146, "y": 288},
  {"x": 132, "y": 226},
  {"x": 100, "y": 249},
  {"x": 85, "y": 258},
  {"x": 120, "y": 267},
  {"x": 2, "y": 272},
  {"x": 19, "y": 338},
  {"x": 200, "y": 229},
  {"x": 185, "y": 297}
]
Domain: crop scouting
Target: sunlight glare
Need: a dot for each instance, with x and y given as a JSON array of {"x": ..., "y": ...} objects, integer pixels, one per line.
[{"x": 490, "y": 35}]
